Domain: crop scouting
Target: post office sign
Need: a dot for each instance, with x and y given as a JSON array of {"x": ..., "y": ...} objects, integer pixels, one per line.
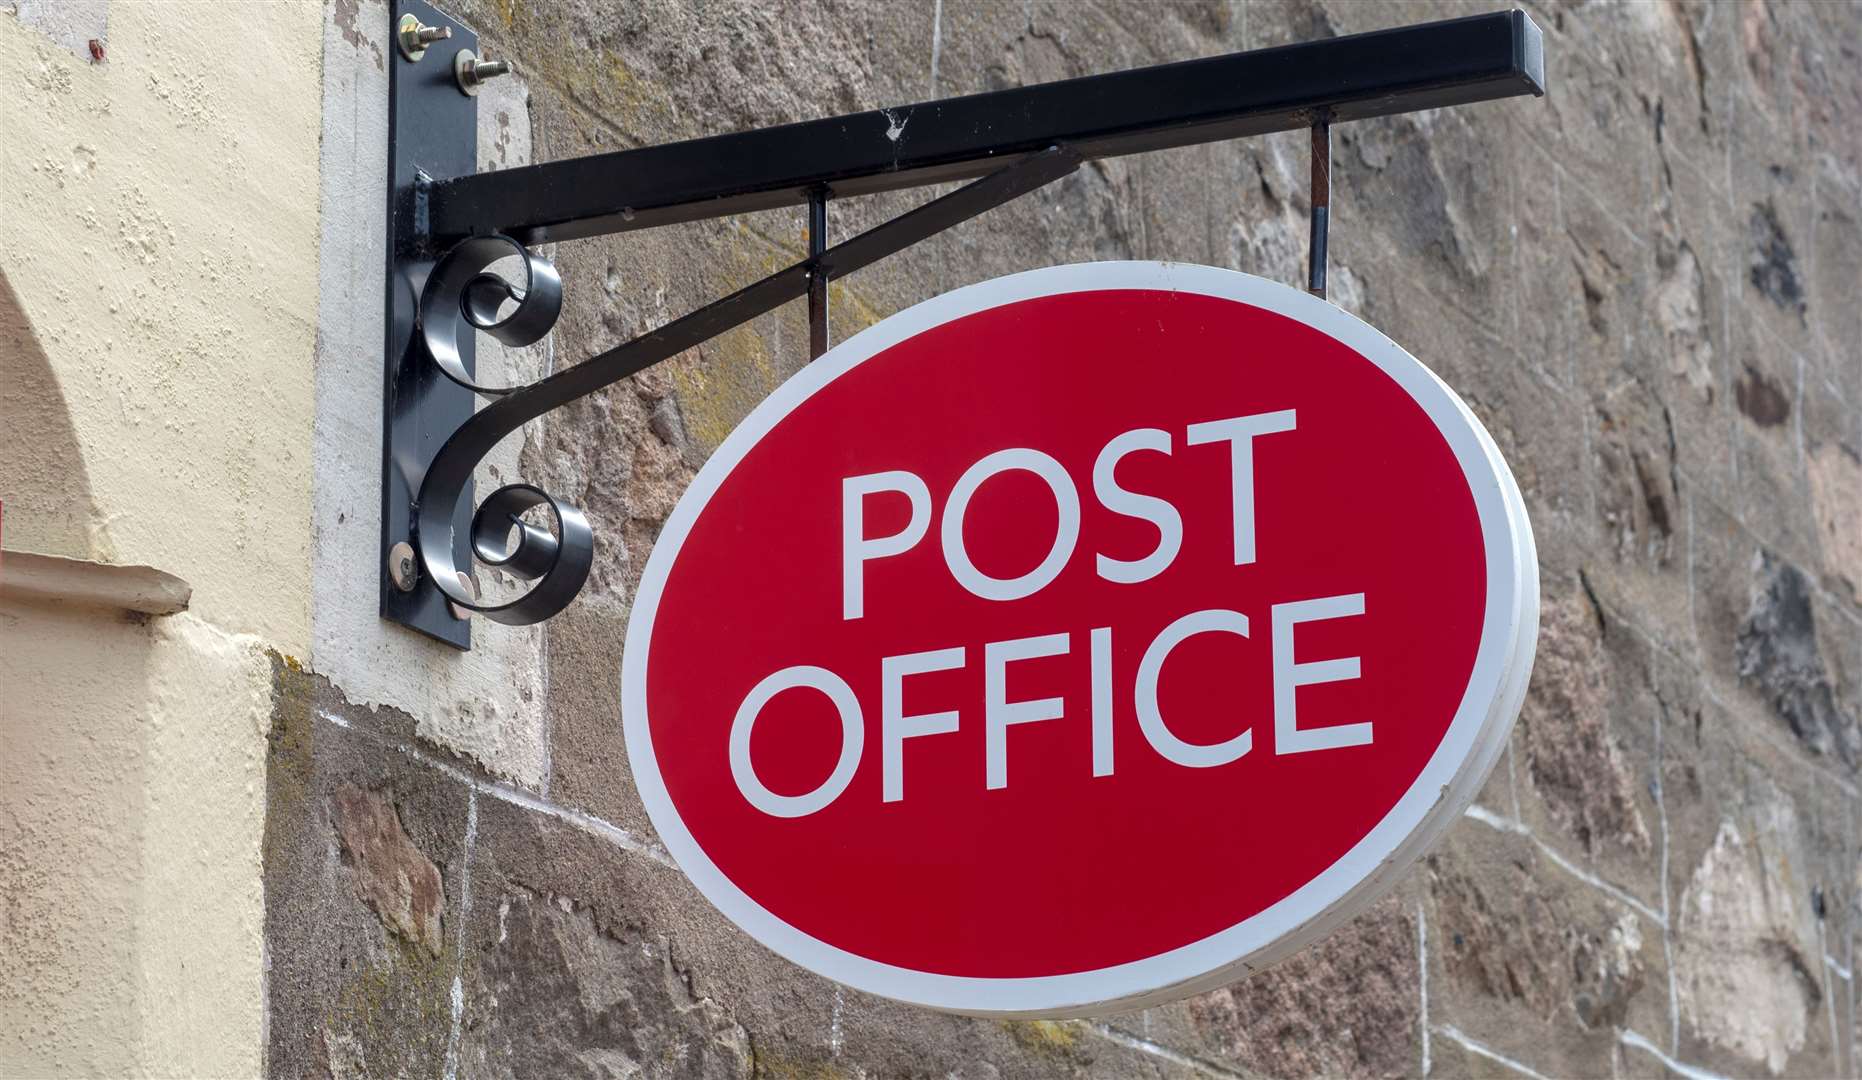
[{"x": 1079, "y": 639}]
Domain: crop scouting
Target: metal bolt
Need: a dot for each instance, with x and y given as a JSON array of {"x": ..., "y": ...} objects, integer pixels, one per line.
[
  {"x": 471, "y": 587},
  {"x": 402, "y": 570},
  {"x": 470, "y": 70},
  {"x": 413, "y": 38}
]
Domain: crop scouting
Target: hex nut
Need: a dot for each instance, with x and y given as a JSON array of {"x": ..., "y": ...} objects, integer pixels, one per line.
[
  {"x": 412, "y": 38},
  {"x": 469, "y": 71}
]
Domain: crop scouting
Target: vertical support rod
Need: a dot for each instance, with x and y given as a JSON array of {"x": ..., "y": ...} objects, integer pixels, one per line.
[
  {"x": 817, "y": 274},
  {"x": 1321, "y": 200}
]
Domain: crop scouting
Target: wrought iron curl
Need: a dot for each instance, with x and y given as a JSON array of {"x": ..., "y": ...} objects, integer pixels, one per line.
[{"x": 461, "y": 296}]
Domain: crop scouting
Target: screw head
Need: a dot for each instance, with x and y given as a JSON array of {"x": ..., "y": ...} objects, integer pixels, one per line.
[
  {"x": 402, "y": 569},
  {"x": 412, "y": 38}
]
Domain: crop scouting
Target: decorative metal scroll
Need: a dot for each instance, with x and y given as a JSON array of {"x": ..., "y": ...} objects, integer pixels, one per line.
[{"x": 461, "y": 296}]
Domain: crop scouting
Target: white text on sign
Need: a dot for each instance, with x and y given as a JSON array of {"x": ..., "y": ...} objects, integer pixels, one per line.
[{"x": 999, "y": 711}]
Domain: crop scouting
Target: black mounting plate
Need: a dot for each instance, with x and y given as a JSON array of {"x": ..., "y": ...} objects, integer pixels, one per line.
[{"x": 432, "y": 136}]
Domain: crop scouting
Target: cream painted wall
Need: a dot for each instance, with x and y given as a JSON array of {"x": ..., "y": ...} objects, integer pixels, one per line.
[
  {"x": 160, "y": 232},
  {"x": 158, "y": 291},
  {"x": 130, "y": 827}
]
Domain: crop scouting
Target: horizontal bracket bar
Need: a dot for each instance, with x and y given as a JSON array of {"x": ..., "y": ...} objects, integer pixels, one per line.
[{"x": 1456, "y": 62}]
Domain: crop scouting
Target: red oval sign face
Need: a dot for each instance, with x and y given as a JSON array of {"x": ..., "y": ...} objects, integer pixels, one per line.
[{"x": 1078, "y": 639}]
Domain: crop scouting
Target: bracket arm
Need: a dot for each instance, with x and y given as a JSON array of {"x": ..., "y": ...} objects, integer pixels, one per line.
[
  {"x": 1402, "y": 69},
  {"x": 559, "y": 564}
]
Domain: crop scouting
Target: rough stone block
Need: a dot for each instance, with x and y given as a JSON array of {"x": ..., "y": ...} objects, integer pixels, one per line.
[
  {"x": 360, "y": 968},
  {"x": 1770, "y": 221},
  {"x": 1436, "y": 190},
  {"x": 1834, "y": 252},
  {"x": 1637, "y": 485},
  {"x": 1761, "y": 856},
  {"x": 1547, "y": 441},
  {"x": 391, "y": 874},
  {"x": 1789, "y": 652},
  {"x": 1458, "y": 344},
  {"x": 1528, "y": 961},
  {"x": 1687, "y": 328},
  {"x": 1584, "y": 278},
  {"x": 1725, "y": 556},
  {"x": 1778, "y": 647},
  {"x": 584, "y": 957},
  {"x": 1589, "y": 743},
  {"x": 588, "y": 757},
  {"x": 1832, "y": 464},
  {"x": 1346, "y": 1007},
  {"x": 1546, "y": 321},
  {"x": 1596, "y": 128}
]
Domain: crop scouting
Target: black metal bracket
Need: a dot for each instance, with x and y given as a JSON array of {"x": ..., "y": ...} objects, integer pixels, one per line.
[
  {"x": 445, "y": 233},
  {"x": 432, "y": 132}
]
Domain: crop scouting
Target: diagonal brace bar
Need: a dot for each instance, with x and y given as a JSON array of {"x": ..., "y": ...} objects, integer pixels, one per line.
[
  {"x": 448, "y": 477},
  {"x": 817, "y": 283}
]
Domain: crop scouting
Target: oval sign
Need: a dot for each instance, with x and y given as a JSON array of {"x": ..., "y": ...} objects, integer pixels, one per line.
[{"x": 1079, "y": 639}]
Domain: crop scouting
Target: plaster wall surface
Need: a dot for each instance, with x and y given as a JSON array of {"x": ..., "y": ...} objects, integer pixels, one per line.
[
  {"x": 1644, "y": 284},
  {"x": 160, "y": 238},
  {"x": 157, "y": 302},
  {"x": 486, "y": 703},
  {"x": 129, "y": 844}
]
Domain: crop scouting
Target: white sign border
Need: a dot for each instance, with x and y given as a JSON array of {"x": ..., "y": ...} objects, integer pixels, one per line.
[{"x": 1440, "y": 794}]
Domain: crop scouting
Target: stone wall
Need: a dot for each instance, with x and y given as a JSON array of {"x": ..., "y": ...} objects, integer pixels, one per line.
[{"x": 1646, "y": 284}]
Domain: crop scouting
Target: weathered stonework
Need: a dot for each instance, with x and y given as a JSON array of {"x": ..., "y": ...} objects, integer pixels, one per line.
[
  {"x": 1346, "y": 1007},
  {"x": 1747, "y": 971},
  {"x": 1779, "y": 654},
  {"x": 1644, "y": 284},
  {"x": 1572, "y": 759},
  {"x": 401, "y": 884}
]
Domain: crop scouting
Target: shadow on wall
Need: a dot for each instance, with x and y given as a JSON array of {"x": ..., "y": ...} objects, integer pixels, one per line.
[
  {"x": 72, "y": 813},
  {"x": 43, "y": 481}
]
